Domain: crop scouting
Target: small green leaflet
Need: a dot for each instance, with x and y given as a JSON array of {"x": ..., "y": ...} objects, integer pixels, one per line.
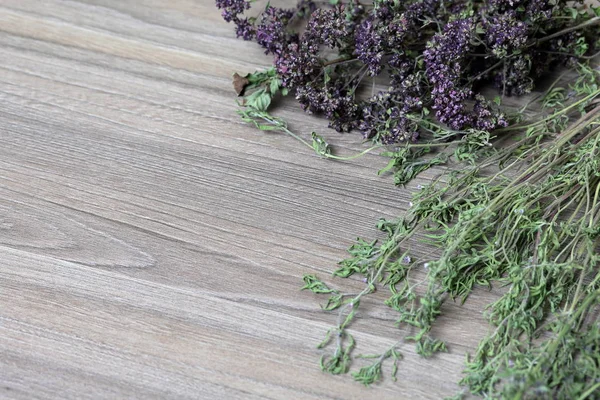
[{"x": 319, "y": 144}]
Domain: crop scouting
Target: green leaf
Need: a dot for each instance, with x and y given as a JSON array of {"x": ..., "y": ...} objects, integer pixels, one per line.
[
  {"x": 353, "y": 304},
  {"x": 479, "y": 29},
  {"x": 369, "y": 374},
  {"x": 573, "y": 12},
  {"x": 326, "y": 77},
  {"x": 334, "y": 301},
  {"x": 327, "y": 339},
  {"x": 263, "y": 101},
  {"x": 274, "y": 87},
  {"x": 339, "y": 362},
  {"x": 262, "y": 120},
  {"x": 388, "y": 167},
  {"x": 315, "y": 285},
  {"x": 319, "y": 144}
]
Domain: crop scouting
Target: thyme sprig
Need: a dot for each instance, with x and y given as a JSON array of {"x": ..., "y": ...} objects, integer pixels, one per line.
[{"x": 532, "y": 224}]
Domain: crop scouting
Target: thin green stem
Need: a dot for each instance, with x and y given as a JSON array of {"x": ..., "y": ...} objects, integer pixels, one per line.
[
  {"x": 589, "y": 392},
  {"x": 590, "y": 22}
]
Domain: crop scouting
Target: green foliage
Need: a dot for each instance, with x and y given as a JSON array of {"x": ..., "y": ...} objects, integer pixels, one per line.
[
  {"x": 319, "y": 145},
  {"x": 259, "y": 89},
  {"x": 525, "y": 216},
  {"x": 339, "y": 361},
  {"x": 369, "y": 374},
  {"x": 263, "y": 88},
  {"x": 428, "y": 346},
  {"x": 315, "y": 285},
  {"x": 408, "y": 162},
  {"x": 361, "y": 253},
  {"x": 372, "y": 373}
]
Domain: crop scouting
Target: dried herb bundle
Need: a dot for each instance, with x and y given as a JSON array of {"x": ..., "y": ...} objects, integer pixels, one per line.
[
  {"x": 520, "y": 209},
  {"x": 432, "y": 55},
  {"x": 532, "y": 225}
]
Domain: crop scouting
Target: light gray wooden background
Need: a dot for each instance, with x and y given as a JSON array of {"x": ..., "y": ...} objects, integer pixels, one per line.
[{"x": 151, "y": 244}]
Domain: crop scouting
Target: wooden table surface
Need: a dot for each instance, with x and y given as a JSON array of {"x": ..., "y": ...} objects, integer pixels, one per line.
[{"x": 151, "y": 244}]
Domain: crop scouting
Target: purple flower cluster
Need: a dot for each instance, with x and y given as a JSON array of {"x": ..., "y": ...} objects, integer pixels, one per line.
[
  {"x": 444, "y": 60},
  {"x": 385, "y": 117},
  {"x": 301, "y": 69},
  {"x": 509, "y": 26},
  {"x": 389, "y": 116},
  {"x": 516, "y": 78},
  {"x": 485, "y": 119},
  {"x": 539, "y": 10},
  {"x": 335, "y": 101},
  {"x": 369, "y": 46},
  {"x": 431, "y": 52},
  {"x": 327, "y": 27},
  {"x": 535, "y": 10},
  {"x": 232, "y": 8},
  {"x": 447, "y": 50},
  {"x": 298, "y": 62},
  {"x": 271, "y": 31},
  {"x": 505, "y": 33},
  {"x": 244, "y": 29},
  {"x": 384, "y": 10},
  {"x": 384, "y": 32}
]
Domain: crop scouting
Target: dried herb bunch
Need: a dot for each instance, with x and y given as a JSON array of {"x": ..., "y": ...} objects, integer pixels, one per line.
[
  {"x": 519, "y": 209},
  {"x": 433, "y": 55},
  {"x": 531, "y": 224}
]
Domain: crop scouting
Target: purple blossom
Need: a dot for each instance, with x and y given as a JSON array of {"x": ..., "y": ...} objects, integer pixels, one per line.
[
  {"x": 504, "y": 33},
  {"x": 335, "y": 101},
  {"x": 244, "y": 29},
  {"x": 297, "y": 64},
  {"x": 324, "y": 61},
  {"x": 485, "y": 119},
  {"x": 385, "y": 117},
  {"x": 443, "y": 61},
  {"x": 328, "y": 27},
  {"x": 369, "y": 46},
  {"x": 271, "y": 31},
  {"x": 384, "y": 9},
  {"x": 298, "y": 61},
  {"x": 375, "y": 39},
  {"x": 232, "y": 8},
  {"x": 516, "y": 78},
  {"x": 539, "y": 9}
]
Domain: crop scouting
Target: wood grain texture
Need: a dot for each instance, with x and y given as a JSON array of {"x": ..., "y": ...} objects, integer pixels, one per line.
[{"x": 151, "y": 244}]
